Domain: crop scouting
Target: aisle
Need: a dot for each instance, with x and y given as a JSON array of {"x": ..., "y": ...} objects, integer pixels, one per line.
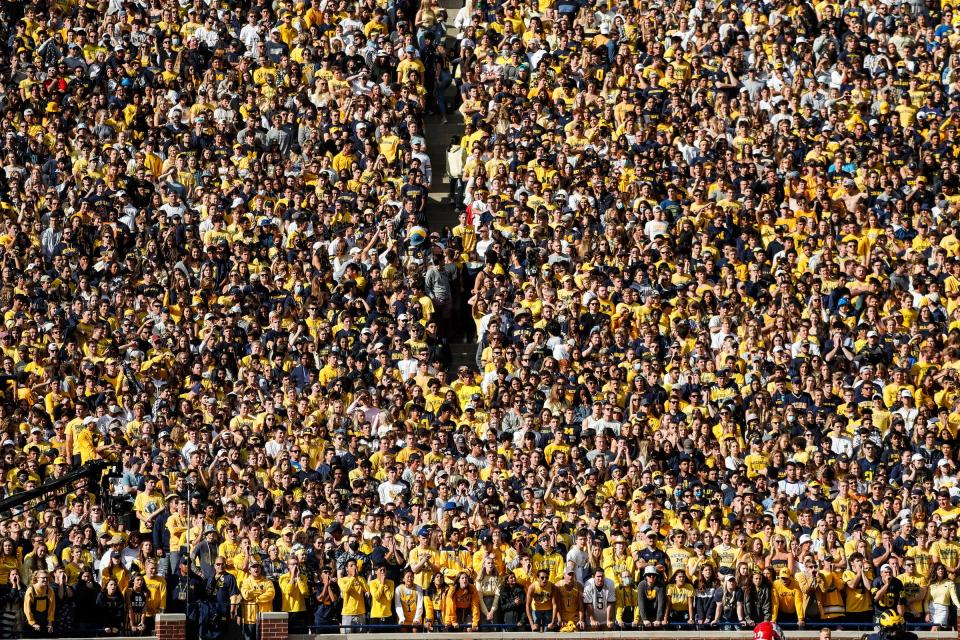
[{"x": 440, "y": 212}]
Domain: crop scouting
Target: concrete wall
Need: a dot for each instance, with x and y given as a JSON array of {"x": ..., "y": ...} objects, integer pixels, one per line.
[{"x": 273, "y": 626}]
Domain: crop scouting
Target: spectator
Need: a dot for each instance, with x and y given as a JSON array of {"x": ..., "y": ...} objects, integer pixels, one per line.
[
  {"x": 541, "y": 607},
  {"x": 353, "y": 590},
  {"x": 511, "y": 603},
  {"x": 599, "y": 598},
  {"x": 653, "y": 599},
  {"x": 40, "y": 605},
  {"x": 943, "y": 594},
  {"x": 111, "y": 609},
  {"x": 382, "y": 592},
  {"x": 462, "y": 604},
  {"x": 729, "y": 606},
  {"x": 256, "y": 593}
]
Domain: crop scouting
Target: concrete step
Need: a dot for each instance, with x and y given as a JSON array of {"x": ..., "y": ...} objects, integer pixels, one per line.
[
  {"x": 463, "y": 354},
  {"x": 440, "y": 211}
]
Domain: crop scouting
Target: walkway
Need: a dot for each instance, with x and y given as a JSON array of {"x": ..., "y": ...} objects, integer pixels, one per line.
[{"x": 440, "y": 213}]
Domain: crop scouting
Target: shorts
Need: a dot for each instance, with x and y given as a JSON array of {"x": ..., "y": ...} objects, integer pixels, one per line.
[{"x": 939, "y": 614}]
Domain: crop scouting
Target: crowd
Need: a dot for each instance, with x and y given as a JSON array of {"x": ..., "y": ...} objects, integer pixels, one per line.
[{"x": 709, "y": 251}]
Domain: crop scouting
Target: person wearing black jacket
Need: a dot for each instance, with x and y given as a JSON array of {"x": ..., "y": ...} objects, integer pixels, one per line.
[
  {"x": 11, "y": 604},
  {"x": 185, "y": 591},
  {"x": 85, "y": 602},
  {"x": 222, "y": 603},
  {"x": 511, "y": 604},
  {"x": 757, "y": 600},
  {"x": 160, "y": 533},
  {"x": 111, "y": 609},
  {"x": 704, "y": 602}
]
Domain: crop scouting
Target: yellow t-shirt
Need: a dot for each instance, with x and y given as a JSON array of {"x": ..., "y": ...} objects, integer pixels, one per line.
[
  {"x": 856, "y": 600},
  {"x": 353, "y": 591},
  {"x": 679, "y": 596}
]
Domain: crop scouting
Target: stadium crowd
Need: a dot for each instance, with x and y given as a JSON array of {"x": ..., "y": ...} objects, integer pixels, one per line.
[{"x": 709, "y": 251}]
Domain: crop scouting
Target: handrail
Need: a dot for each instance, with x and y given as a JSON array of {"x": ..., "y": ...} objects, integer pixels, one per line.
[
  {"x": 635, "y": 634},
  {"x": 669, "y": 628},
  {"x": 673, "y": 631}
]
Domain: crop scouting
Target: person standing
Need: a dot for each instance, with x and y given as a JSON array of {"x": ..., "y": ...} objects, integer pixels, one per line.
[
  {"x": 137, "y": 602},
  {"x": 381, "y": 598},
  {"x": 293, "y": 595},
  {"x": 39, "y": 606},
  {"x": 438, "y": 287},
  {"x": 326, "y": 595},
  {"x": 11, "y": 604},
  {"x": 512, "y": 603},
  {"x": 651, "y": 598},
  {"x": 353, "y": 590},
  {"x": 408, "y": 601},
  {"x": 541, "y": 608},
  {"x": 570, "y": 599},
  {"x": 184, "y": 589},
  {"x": 223, "y": 600},
  {"x": 462, "y": 608},
  {"x": 158, "y": 594},
  {"x": 257, "y": 593}
]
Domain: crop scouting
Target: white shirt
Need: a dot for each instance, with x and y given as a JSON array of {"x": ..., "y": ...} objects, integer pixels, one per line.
[
  {"x": 598, "y": 598},
  {"x": 250, "y": 37},
  {"x": 425, "y": 165},
  {"x": 389, "y": 492},
  {"x": 408, "y": 368},
  {"x": 273, "y": 448},
  {"x": 841, "y": 445}
]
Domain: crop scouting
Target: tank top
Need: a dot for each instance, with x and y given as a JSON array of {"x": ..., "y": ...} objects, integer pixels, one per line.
[
  {"x": 569, "y": 602},
  {"x": 542, "y": 597}
]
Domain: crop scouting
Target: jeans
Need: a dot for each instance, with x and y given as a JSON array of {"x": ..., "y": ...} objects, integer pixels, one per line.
[
  {"x": 438, "y": 30},
  {"x": 353, "y": 624},
  {"x": 542, "y": 619},
  {"x": 444, "y": 82}
]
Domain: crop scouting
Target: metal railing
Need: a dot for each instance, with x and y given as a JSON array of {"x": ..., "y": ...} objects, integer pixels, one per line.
[
  {"x": 681, "y": 630},
  {"x": 810, "y": 633}
]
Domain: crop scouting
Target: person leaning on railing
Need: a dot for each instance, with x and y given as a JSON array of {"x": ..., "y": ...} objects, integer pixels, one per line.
[
  {"x": 541, "y": 606},
  {"x": 511, "y": 603},
  {"x": 462, "y": 609},
  {"x": 434, "y": 603},
  {"x": 652, "y": 598},
  {"x": 488, "y": 584},
  {"x": 573, "y": 607}
]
